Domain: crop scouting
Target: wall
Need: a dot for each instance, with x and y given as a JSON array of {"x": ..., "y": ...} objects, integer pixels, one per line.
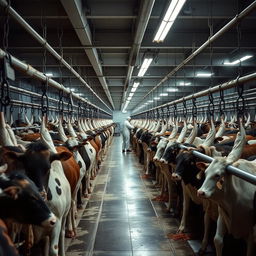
[{"x": 119, "y": 117}]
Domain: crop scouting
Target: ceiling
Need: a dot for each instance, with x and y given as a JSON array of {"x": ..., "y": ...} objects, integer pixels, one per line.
[{"x": 105, "y": 41}]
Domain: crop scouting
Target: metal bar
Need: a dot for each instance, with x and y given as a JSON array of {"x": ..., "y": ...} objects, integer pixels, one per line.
[
  {"x": 47, "y": 46},
  {"x": 214, "y": 89},
  {"x": 231, "y": 169},
  {"x": 32, "y": 72},
  {"x": 229, "y": 25}
]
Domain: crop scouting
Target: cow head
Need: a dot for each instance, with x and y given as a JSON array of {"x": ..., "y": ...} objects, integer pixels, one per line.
[
  {"x": 160, "y": 149},
  {"x": 186, "y": 168},
  {"x": 170, "y": 153},
  {"x": 215, "y": 174},
  {"x": 36, "y": 162},
  {"x": 21, "y": 201}
]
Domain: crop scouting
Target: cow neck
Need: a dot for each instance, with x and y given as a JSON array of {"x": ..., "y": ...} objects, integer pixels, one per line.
[
  {"x": 61, "y": 132},
  {"x": 71, "y": 130},
  {"x": 46, "y": 137},
  {"x": 12, "y": 135}
]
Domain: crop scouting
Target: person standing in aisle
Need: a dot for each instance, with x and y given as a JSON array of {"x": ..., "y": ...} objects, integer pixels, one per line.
[{"x": 126, "y": 135}]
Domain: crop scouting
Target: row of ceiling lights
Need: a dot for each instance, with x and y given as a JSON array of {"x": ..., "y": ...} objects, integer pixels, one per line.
[
  {"x": 199, "y": 74},
  {"x": 170, "y": 16}
]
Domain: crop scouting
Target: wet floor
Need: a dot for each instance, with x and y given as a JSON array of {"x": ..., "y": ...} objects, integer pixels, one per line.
[{"x": 120, "y": 219}]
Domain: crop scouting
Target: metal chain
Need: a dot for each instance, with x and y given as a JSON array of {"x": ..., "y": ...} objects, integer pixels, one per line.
[
  {"x": 5, "y": 89},
  {"x": 6, "y": 28},
  {"x": 184, "y": 110},
  {"x": 211, "y": 105},
  {"x": 222, "y": 103},
  {"x": 61, "y": 102},
  {"x": 240, "y": 102},
  {"x": 70, "y": 106},
  {"x": 175, "y": 111},
  {"x": 194, "y": 108},
  {"x": 44, "y": 98}
]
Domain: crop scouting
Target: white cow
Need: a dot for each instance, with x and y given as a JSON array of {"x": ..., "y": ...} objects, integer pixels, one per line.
[{"x": 233, "y": 195}]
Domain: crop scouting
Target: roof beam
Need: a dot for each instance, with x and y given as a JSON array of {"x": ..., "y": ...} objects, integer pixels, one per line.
[
  {"x": 75, "y": 13},
  {"x": 144, "y": 15}
]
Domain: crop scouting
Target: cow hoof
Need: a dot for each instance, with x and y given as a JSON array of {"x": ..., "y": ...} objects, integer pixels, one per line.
[
  {"x": 86, "y": 196},
  {"x": 201, "y": 252},
  {"x": 89, "y": 191},
  {"x": 80, "y": 206},
  {"x": 69, "y": 234},
  {"x": 92, "y": 178}
]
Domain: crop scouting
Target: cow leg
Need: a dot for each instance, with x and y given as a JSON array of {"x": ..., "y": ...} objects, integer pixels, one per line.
[
  {"x": 218, "y": 238},
  {"x": 207, "y": 222},
  {"x": 62, "y": 236},
  {"x": 250, "y": 245},
  {"x": 186, "y": 203},
  {"x": 70, "y": 230},
  {"x": 79, "y": 199},
  {"x": 55, "y": 237}
]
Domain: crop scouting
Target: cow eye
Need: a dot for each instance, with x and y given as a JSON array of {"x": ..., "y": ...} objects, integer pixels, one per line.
[{"x": 217, "y": 176}]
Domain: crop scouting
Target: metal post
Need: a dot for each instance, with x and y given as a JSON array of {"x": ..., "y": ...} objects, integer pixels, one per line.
[
  {"x": 230, "y": 169},
  {"x": 224, "y": 86},
  {"x": 228, "y": 26},
  {"x": 47, "y": 46},
  {"x": 29, "y": 70}
]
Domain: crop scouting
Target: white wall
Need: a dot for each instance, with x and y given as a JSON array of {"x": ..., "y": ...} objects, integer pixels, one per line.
[{"x": 119, "y": 116}]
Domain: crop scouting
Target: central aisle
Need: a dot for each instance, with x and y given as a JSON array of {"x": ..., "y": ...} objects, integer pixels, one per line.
[{"x": 120, "y": 219}]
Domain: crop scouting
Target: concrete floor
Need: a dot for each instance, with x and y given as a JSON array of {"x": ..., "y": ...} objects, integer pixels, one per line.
[{"x": 120, "y": 219}]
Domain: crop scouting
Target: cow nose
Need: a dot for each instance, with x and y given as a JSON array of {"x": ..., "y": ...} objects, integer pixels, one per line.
[
  {"x": 149, "y": 150},
  {"x": 50, "y": 222},
  {"x": 175, "y": 176},
  {"x": 140, "y": 141},
  {"x": 162, "y": 161},
  {"x": 200, "y": 193}
]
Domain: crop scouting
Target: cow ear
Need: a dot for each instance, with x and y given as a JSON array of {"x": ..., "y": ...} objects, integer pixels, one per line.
[
  {"x": 10, "y": 155},
  {"x": 202, "y": 166},
  {"x": 12, "y": 191},
  {"x": 219, "y": 184},
  {"x": 63, "y": 156}
]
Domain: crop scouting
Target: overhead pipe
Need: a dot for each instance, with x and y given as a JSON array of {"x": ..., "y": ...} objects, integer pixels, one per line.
[
  {"x": 217, "y": 88},
  {"x": 146, "y": 9},
  {"x": 32, "y": 72},
  {"x": 79, "y": 22},
  {"x": 230, "y": 168},
  {"x": 47, "y": 46},
  {"x": 229, "y": 25}
]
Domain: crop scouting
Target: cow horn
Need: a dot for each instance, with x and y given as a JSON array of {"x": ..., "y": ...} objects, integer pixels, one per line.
[
  {"x": 248, "y": 121},
  {"x": 183, "y": 133},
  {"x": 210, "y": 136},
  {"x": 221, "y": 129},
  {"x": 174, "y": 131},
  {"x": 193, "y": 134},
  {"x": 237, "y": 149},
  {"x": 61, "y": 132}
]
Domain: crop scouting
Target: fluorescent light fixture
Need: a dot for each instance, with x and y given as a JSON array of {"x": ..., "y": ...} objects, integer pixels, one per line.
[
  {"x": 124, "y": 111},
  {"x": 49, "y": 74},
  {"x": 171, "y": 89},
  {"x": 136, "y": 84},
  {"x": 144, "y": 66},
  {"x": 131, "y": 94},
  {"x": 80, "y": 94},
  {"x": 129, "y": 98},
  {"x": 246, "y": 57},
  {"x": 163, "y": 94},
  {"x": 150, "y": 101},
  {"x": 184, "y": 83},
  {"x": 133, "y": 89},
  {"x": 204, "y": 74},
  {"x": 168, "y": 20},
  {"x": 157, "y": 98},
  {"x": 71, "y": 89}
]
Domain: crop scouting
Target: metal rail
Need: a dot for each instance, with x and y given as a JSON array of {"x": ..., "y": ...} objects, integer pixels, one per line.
[
  {"x": 217, "y": 88},
  {"x": 47, "y": 46},
  {"x": 230, "y": 168},
  {"x": 211, "y": 39},
  {"x": 21, "y": 66}
]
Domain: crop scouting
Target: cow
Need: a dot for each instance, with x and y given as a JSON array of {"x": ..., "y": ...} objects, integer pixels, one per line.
[{"x": 233, "y": 195}]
